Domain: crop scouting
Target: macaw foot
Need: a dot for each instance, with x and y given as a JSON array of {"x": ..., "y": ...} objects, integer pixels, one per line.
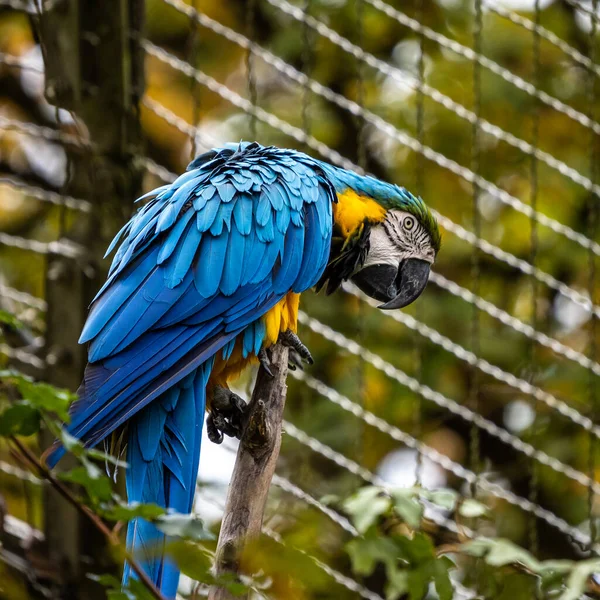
[
  {"x": 227, "y": 416},
  {"x": 298, "y": 353},
  {"x": 265, "y": 361}
]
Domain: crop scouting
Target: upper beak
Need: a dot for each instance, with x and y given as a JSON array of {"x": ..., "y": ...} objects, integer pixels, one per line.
[
  {"x": 396, "y": 287},
  {"x": 411, "y": 280}
]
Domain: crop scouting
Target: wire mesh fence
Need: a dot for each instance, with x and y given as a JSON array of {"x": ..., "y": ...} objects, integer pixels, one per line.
[{"x": 490, "y": 384}]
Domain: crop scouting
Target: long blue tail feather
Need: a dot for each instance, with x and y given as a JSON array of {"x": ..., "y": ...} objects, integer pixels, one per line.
[{"x": 163, "y": 454}]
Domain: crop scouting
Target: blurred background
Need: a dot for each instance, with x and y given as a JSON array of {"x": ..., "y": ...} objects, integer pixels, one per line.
[{"x": 489, "y": 384}]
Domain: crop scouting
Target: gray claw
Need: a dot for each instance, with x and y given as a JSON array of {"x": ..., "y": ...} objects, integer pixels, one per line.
[
  {"x": 291, "y": 340},
  {"x": 294, "y": 360},
  {"x": 227, "y": 415},
  {"x": 265, "y": 361},
  {"x": 214, "y": 435}
]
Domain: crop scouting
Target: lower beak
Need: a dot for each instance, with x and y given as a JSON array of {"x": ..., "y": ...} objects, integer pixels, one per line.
[
  {"x": 396, "y": 287},
  {"x": 411, "y": 280}
]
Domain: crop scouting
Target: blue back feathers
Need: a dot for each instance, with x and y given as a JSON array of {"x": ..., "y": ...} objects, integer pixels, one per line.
[{"x": 205, "y": 258}]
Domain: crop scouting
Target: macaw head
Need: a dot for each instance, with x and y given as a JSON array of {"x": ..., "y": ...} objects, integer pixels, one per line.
[{"x": 385, "y": 239}]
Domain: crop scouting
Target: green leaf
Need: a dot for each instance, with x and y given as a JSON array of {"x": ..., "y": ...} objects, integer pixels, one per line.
[
  {"x": 407, "y": 506},
  {"x": 518, "y": 586},
  {"x": 194, "y": 560},
  {"x": 97, "y": 485},
  {"x": 9, "y": 319},
  {"x": 184, "y": 526},
  {"x": 109, "y": 581},
  {"x": 19, "y": 419},
  {"x": 40, "y": 395},
  {"x": 445, "y": 499},
  {"x": 23, "y": 417},
  {"x": 577, "y": 580},
  {"x": 552, "y": 571},
  {"x": 366, "y": 552},
  {"x": 138, "y": 591},
  {"x": 471, "y": 509},
  {"x": 397, "y": 584},
  {"x": 233, "y": 585},
  {"x": 135, "y": 589},
  {"x": 500, "y": 552},
  {"x": 117, "y": 595},
  {"x": 366, "y": 506},
  {"x": 416, "y": 550},
  {"x": 47, "y": 397},
  {"x": 71, "y": 443},
  {"x": 114, "y": 591},
  {"x": 418, "y": 582},
  {"x": 329, "y": 499},
  {"x": 441, "y": 577},
  {"x": 126, "y": 512}
]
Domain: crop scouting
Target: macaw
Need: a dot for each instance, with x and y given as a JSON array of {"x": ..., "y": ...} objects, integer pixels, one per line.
[{"x": 207, "y": 276}]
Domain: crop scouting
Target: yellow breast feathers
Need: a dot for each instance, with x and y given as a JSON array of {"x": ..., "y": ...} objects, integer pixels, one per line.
[{"x": 283, "y": 316}]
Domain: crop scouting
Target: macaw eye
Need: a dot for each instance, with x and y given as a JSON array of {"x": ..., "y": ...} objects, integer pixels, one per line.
[{"x": 408, "y": 223}]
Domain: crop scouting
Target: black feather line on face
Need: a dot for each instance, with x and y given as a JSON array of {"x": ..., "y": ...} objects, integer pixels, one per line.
[{"x": 347, "y": 255}]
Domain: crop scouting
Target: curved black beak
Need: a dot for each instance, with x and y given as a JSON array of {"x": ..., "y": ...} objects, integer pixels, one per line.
[
  {"x": 377, "y": 281},
  {"x": 411, "y": 280},
  {"x": 394, "y": 287}
]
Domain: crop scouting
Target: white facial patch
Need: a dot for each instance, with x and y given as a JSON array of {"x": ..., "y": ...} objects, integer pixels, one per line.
[
  {"x": 396, "y": 239},
  {"x": 382, "y": 249}
]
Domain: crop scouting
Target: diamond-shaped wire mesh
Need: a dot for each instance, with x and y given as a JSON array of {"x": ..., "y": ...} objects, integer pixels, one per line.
[{"x": 490, "y": 383}]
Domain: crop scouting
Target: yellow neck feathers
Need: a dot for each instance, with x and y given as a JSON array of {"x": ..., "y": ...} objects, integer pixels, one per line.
[{"x": 352, "y": 209}]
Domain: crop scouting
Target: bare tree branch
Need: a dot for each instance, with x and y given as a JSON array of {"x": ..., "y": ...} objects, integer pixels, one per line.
[{"x": 254, "y": 467}]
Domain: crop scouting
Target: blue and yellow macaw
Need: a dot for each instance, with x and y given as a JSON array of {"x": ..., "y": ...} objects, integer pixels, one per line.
[{"x": 207, "y": 276}]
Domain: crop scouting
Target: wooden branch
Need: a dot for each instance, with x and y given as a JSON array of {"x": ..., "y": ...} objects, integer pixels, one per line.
[{"x": 254, "y": 467}]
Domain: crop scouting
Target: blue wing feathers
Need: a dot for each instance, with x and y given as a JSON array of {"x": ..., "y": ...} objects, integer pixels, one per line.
[
  {"x": 234, "y": 263},
  {"x": 206, "y": 192},
  {"x": 170, "y": 211},
  {"x": 287, "y": 273},
  {"x": 223, "y": 219},
  {"x": 206, "y": 216},
  {"x": 173, "y": 239},
  {"x": 255, "y": 251},
  {"x": 210, "y": 264},
  {"x": 180, "y": 262},
  {"x": 243, "y": 213},
  {"x": 124, "y": 405},
  {"x": 228, "y": 349},
  {"x": 226, "y": 191},
  {"x": 310, "y": 272},
  {"x": 266, "y": 232},
  {"x": 197, "y": 268},
  {"x": 150, "y": 313},
  {"x": 133, "y": 310},
  {"x": 263, "y": 209},
  {"x": 277, "y": 196},
  {"x": 254, "y": 297},
  {"x": 265, "y": 266},
  {"x": 282, "y": 219}
]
